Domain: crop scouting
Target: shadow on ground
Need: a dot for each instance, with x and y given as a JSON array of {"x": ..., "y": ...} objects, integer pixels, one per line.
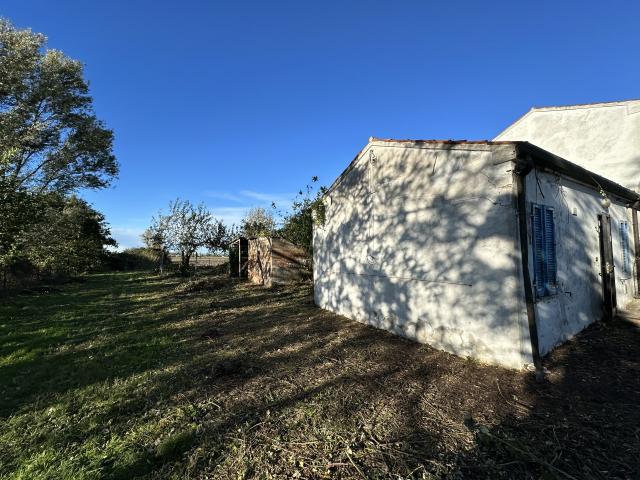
[{"x": 128, "y": 376}]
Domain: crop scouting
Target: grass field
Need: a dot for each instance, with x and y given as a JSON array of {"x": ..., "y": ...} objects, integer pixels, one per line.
[{"x": 132, "y": 375}]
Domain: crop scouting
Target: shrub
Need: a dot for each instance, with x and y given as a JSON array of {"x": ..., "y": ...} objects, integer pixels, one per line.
[{"x": 141, "y": 258}]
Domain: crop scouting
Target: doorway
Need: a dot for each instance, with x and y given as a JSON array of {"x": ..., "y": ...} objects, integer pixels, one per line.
[{"x": 607, "y": 270}]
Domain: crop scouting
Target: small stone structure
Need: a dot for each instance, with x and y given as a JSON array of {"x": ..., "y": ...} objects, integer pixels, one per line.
[{"x": 269, "y": 261}]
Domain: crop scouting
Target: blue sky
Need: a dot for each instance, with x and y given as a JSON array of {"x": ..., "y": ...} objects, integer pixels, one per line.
[{"x": 238, "y": 104}]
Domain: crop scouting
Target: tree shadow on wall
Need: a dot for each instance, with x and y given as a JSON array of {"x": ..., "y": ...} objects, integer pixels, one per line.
[{"x": 582, "y": 422}]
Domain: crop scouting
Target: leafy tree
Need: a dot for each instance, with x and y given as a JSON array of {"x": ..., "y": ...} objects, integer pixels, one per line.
[
  {"x": 51, "y": 144},
  {"x": 220, "y": 235},
  {"x": 155, "y": 243},
  {"x": 19, "y": 210},
  {"x": 69, "y": 239},
  {"x": 306, "y": 209},
  {"x": 50, "y": 138},
  {"x": 258, "y": 222},
  {"x": 186, "y": 228},
  {"x": 152, "y": 239}
]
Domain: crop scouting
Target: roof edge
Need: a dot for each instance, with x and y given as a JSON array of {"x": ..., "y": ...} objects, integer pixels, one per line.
[
  {"x": 373, "y": 140},
  {"x": 539, "y": 157},
  {"x": 349, "y": 167},
  {"x": 513, "y": 124},
  {"x": 552, "y": 108},
  {"x": 525, "y": 152},
  {"x": 442, "y": 142},
  {"x": 587, "y": 105}
]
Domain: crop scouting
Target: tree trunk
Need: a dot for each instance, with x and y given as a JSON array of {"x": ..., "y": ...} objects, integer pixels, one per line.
[{"x": 184, "y": 264}]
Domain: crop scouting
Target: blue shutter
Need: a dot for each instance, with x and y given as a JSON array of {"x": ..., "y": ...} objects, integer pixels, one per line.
[
  {"x": 549, "y": 250},
  {"x": 538, "y": 250},
  {"x": 544, "y": 250},
  {"x": 627, "y": 250},
  {"x": 624, "y": 240}
]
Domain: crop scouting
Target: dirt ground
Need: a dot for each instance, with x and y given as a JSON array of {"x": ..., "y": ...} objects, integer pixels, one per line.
[
  {"x": 269, "y": 386},
  {"x": 406, "y": 409}
]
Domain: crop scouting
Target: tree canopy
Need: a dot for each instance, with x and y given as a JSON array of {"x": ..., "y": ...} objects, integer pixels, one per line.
[
  {"x": 50, "y": 138},
  {"x": 51, "y": 145},
  {"x": 185, "y": 229},
  {"x": 70, "y": 237},
  {"x": 306, "y": 209},
  {"x": 258, "y": 222}
]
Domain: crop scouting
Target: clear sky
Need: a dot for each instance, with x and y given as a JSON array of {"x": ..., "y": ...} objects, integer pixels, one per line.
[{"x": 238, "y": 103}]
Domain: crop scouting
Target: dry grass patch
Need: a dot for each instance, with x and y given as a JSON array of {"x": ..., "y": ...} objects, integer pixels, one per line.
[{"x": 122, "y": 377}]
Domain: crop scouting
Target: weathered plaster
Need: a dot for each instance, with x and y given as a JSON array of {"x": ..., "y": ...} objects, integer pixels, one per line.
[
  {"x": 578, "y": 301},
  {"x": 421, "y": 240},
  {"x": 603, "y": 138}
]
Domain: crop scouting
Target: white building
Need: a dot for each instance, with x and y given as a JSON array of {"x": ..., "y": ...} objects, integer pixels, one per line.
[
  {"x": 601, "y": 137},
  {"x": 493, "y": 250}
]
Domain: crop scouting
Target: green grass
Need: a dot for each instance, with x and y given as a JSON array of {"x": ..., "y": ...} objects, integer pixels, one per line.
[
  {"x": 78, "y": 371},
  {"x": 102, "y": 380},
  {"x": 131, "y": 375}
]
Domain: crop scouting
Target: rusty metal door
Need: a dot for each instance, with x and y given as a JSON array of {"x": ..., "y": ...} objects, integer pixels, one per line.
[{"x": 607, "y": 270}]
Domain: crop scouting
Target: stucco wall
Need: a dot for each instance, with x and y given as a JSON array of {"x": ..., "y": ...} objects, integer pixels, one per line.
[
  {"x": 422, "y": 241},
  {"x": 603, "y": 138},
  {"x": 578, "y": 301}
]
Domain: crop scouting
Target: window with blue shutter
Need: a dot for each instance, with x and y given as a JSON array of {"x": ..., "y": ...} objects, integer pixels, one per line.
[
  {"x": 543, "y": 241},
  {"x": 624, "y": 246}
]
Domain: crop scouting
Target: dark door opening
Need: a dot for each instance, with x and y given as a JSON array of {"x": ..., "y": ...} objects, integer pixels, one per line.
[
  {"x": 239, "y": 257},
  {"x": 606, "y": 268}
]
